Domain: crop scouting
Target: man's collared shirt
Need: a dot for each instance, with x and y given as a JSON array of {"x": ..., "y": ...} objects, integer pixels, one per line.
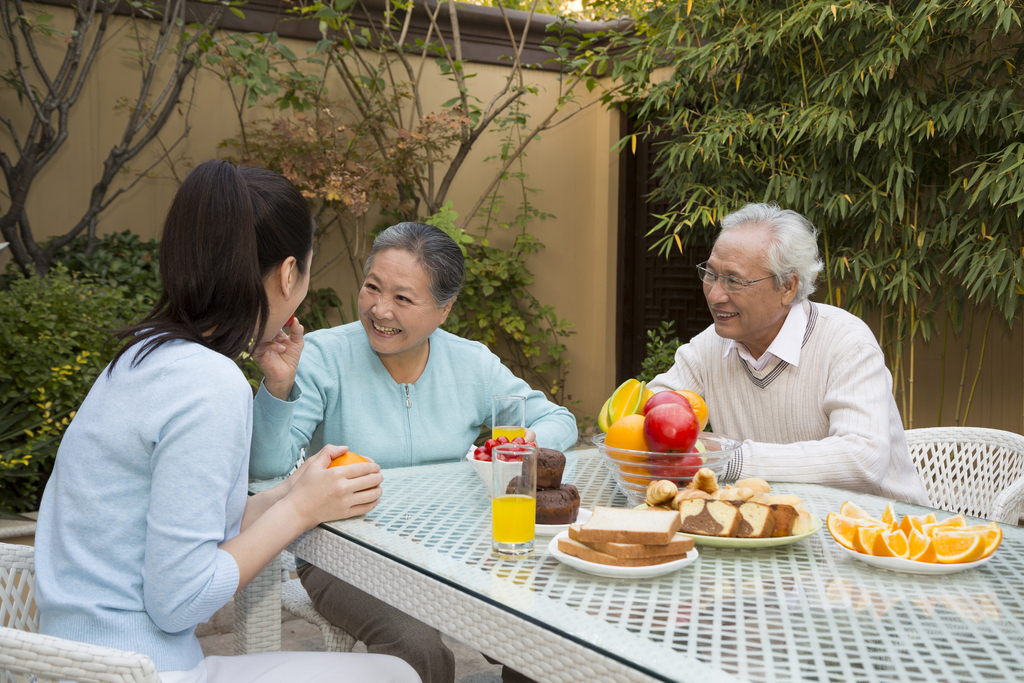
[{"x": 786, "y": 345}]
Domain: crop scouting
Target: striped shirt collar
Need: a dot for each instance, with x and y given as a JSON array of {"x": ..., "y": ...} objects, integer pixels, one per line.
[{"x": 786, "y": 345}]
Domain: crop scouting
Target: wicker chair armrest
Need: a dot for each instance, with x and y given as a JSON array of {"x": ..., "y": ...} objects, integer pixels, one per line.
[
  {"x": 60, "y": 659},
  {"x": 1007, "y": 506}
]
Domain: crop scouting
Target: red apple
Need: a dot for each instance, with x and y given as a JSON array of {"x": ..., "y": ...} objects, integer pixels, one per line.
[
  {"x": 664, "y": 398},
  {"x": 678, "y": 467},
  {"x": 671, "y": 427}
]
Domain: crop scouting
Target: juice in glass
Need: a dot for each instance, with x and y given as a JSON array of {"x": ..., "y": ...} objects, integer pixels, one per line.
[
  {"x": 508, "y": 431},
  {"x": 513, "y": 518}
]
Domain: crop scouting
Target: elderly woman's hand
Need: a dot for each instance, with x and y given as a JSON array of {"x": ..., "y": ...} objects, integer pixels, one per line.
[{"x": 279, "y": 359}]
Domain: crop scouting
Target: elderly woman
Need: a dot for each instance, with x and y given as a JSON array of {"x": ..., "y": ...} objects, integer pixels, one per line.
[{"x": 395, "y": 388}]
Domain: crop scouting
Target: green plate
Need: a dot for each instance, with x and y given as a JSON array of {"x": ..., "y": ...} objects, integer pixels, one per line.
[{"x": 719, "y": 542}]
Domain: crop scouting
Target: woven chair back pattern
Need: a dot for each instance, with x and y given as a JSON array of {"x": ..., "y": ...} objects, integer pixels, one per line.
[
  {"x": 965, "y": 469},
  {"x": 18, "y": 588}
]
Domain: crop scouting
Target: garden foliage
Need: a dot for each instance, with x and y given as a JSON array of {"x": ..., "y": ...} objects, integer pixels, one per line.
[{"x": 897, "y": 128}]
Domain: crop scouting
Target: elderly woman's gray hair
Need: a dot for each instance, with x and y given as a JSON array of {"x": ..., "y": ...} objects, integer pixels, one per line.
[
  {"x": 436, "y": 252},
  {"x": 794, "y": 243}
]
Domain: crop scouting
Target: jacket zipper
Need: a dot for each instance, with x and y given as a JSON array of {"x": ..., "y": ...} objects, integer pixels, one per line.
[{"x": 408, "y": 425}]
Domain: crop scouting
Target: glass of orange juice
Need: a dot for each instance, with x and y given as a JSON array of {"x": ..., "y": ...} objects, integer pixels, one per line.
[
  {"x": 508, "y": 417},
  {"x": 514, "y": 505}
]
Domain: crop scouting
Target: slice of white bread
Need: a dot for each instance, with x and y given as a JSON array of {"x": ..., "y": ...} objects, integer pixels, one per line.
[
  {"x": 680, "y": 545},
  {"x": 652, "y": 526},
  {"x": 585, "y": 552},
  {"x": 758, "y": 521},
  {"x": 709, "y": 518}
]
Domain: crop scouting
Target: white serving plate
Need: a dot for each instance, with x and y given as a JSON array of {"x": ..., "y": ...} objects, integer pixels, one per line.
[
  {"x": 613, "y": 572},
  {"x": 898, "y": 564}
]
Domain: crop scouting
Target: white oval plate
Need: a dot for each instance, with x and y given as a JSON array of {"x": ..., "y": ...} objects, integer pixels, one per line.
[
  {"x": 898, "y": 564},
  {"x": 613, "y": 572},
  {"x": 552, "y": 529}
]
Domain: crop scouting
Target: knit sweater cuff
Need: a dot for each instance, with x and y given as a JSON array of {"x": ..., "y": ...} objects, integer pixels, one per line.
[
  {"x": 734, "y": 469},
  {"x": 273, "y": 407}
]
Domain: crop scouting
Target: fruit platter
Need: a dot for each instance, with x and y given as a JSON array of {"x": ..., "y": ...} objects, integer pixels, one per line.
[{"x": 916, "y": 544}]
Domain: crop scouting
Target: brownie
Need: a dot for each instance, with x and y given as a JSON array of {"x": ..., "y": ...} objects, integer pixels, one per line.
[
  {"x": 558, "y": 506},
  {"x": 550, "y": 464}
]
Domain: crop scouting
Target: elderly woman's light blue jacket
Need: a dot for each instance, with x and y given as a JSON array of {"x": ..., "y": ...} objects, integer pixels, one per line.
[{"x": 343, "y": 395}]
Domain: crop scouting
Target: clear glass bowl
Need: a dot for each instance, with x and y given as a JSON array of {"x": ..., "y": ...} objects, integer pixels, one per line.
[{"x": 634, "y": 470}]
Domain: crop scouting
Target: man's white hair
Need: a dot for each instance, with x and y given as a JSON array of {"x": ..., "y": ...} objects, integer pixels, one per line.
[{"x": 793, "y": 249}]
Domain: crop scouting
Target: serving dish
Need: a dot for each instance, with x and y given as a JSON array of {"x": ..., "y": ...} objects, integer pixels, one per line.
[
  {"x": 613, "y": 572},
  {"x": 898, "y": 564},
  {"x": 634, "y": 470}
]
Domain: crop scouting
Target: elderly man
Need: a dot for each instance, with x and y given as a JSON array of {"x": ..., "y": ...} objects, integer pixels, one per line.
[{"x": 803, "y": 385}]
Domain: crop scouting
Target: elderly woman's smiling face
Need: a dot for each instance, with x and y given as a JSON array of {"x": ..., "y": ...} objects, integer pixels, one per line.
[{"x": 395, "y": 305}]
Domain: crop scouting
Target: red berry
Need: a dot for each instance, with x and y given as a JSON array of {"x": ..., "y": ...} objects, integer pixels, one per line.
[
  {"x": 478, "y": 452},
  {"x": 486, "y": 457},
  {"x": 519, "y": 441},
  {"x": 530, "y": 443},
  {"x": 489, "y": 444},
  {"x": 502, "y": 440}
]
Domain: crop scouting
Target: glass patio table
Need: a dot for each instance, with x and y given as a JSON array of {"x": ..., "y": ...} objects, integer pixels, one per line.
[{"x": 804, "y": 611}]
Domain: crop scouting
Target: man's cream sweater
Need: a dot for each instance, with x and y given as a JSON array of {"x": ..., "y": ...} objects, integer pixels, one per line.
[{"x": 832, "y": 420}]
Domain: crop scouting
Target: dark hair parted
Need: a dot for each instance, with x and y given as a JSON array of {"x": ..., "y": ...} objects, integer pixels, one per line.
[
  {"x": 436, "y": 252},
  {"x": 227, "y": 229}
]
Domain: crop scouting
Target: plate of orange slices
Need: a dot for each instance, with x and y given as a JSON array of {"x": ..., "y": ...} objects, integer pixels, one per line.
[{"x": 917, "y": 544}]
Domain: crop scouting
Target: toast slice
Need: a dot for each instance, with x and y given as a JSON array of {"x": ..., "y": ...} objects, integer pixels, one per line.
[
  {"x": 652, "y": 526},
  {"x": 680, "y": 545},
  {"x": 584, "y": 552},
  {"x": 709, "y": 518},
  {"x": 758, "y": 521}
]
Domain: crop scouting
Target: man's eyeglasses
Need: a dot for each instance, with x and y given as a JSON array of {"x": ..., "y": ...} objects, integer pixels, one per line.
[{"x": 729, "y": 284}]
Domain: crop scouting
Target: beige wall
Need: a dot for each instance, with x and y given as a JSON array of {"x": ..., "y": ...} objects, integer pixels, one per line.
[{"x": 572, "y": 165}]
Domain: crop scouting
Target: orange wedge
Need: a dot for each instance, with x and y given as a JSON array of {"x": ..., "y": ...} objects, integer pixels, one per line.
[
  {"x": 911, "y": 523},
  {"x": 843, "y": 528},
  {"x": 950, "y": 523},
  {"x": 851, "y": 509},
  {"x": 929, "y": 518},
  {"x": 889, "y": 516},
  {"x": 991, "y": 532},
  {"x": 921, "y": 549},
  {"x": 864, "y": 539},
  {"x": 955, "y": 547},
  {"x": 891, "y": 544}
]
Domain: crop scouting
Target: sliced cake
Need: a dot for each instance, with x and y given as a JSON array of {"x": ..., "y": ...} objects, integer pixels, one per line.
[
  {"x": 758, "y": 521},
  {"x": 709, "y": 518}
]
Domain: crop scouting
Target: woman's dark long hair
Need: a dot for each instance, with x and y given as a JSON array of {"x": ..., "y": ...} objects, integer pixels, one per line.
[{"x": 227, "y": 229}]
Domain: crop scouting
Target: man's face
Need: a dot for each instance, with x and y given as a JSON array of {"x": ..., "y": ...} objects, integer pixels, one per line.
[{"x": 755, "y": 314}]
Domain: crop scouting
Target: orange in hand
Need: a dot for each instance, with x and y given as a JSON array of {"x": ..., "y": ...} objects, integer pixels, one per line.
[{"x": 347, "y": 459}]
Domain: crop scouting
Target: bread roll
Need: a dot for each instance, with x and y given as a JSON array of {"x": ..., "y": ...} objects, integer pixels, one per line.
[{"x": 754, "y": 484}]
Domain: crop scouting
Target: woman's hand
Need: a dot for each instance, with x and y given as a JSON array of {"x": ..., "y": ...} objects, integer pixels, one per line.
[
  {"x": 279, "y": 359},
  {"x": 320, "y": 493},
  {"x": 530, "y": 435}
]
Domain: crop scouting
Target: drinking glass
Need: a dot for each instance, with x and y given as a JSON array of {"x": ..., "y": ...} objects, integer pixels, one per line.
[
  {"x": 514, "y": 504},
  {"x": 508, "y": 416}
]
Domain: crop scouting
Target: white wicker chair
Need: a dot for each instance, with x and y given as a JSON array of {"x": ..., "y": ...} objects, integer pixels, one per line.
[
  {"x": 26, "y": 655},
  {"x": 975, "y": 471},
  {"x": 295, "y": 599}
]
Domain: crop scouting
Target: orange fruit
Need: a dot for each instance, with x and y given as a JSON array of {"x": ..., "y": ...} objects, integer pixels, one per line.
[
  {"x": 921, "y": 549},
  {"x": 891, "y": 544},
  {"x": 627, "y": 433},
  {"x": 626, "y": 400},
  {"x": 865, "y": 537},
  {"x": 955, "y": 547},
  {"x": 889, "y": 515},
  {"x": 851, "y": 509},
  {"x": 911, "y": 523},
  {"x": 700, "y": 408},
  {"x": 956, "y": 522},
  {"x": 844, "y": 528},
  {"x": 633, "y": 469},
  {"x": 991, "y": 532},
  {"x": 347, "y": 459}
]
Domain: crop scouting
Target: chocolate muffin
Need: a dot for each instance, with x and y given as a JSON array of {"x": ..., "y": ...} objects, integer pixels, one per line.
[
  {"x": 550, "y": 465},
  {"x": 558, "y": 506}
]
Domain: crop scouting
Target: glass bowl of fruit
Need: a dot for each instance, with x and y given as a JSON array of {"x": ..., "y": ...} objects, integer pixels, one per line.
[
  {"x": 481, "y": 457},
  {"x": 635, "y": 469}
]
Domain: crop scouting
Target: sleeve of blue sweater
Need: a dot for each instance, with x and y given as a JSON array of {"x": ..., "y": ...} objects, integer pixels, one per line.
[{"x": 201, "y": 428}]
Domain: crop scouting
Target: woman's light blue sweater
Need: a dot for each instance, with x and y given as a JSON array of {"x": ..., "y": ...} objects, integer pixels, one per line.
[
  {"x": 150, "y": 478},
  {"x": 343, "y": 395}
]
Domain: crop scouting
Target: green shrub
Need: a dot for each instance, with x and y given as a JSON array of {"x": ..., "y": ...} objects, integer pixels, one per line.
[
  {"x": 661, "y": 351},
  {"x": 54, "y": 334}
]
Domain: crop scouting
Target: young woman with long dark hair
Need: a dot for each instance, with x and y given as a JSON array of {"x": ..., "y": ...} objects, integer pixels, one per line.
[{"x": 145, "y": 527}]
